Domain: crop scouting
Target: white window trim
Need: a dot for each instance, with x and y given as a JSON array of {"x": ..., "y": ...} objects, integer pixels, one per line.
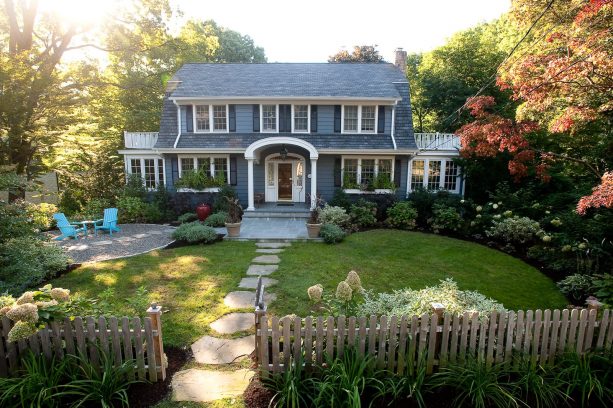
[
  {"x": 441, "y": 182},
  {"x": 359, "y": 127},
  {"x": 308, "y": 130},
  {"x": 211, "y": 118},
  {"x": 262, "y": 118},
  {"x": 211, "y": 158},
  {"x": 359, "y": 174},
  {"x": 128, "y": 168}
]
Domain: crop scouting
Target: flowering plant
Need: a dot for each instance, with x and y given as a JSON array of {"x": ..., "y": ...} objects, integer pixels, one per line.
[{"x": 344, "y": 301}]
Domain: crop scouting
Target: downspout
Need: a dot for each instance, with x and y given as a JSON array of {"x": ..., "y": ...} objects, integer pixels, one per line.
[
  {"x": 394, "y": 124},
  {"x": 178, "y": 124}
]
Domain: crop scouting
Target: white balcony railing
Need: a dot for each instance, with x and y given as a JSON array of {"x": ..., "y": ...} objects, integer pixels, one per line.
[
  {"x": 437, "y": 141},
  {"x": 140, "y": 140}
]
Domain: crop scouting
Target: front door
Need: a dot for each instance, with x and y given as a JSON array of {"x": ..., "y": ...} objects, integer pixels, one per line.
[{"x": 285, "y": 181}]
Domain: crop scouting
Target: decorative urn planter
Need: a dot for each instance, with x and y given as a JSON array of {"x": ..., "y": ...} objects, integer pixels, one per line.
[
  {"x": 313, "y": 230},
  {"x": 234, "y": 229},
  {"x": 203, "y": 211}
]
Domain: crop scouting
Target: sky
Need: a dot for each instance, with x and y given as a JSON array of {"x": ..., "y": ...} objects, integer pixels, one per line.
[{"x": 312, "y": 30}]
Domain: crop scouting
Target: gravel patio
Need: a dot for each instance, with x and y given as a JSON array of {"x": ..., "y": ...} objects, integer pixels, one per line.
[{"x": 133, "y": 239}]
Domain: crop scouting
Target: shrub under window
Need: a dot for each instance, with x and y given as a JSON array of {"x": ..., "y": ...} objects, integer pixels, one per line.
[
  {"x": 331, "y": 233},
  {"x": 402, "y": 215},
  {"x": 194, "y": 233}
]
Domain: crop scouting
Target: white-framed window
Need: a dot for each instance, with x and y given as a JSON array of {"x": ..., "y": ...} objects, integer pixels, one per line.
[
  {"x": 359, "y": 118},
  {"x": 150, "y": 168},
  {"x": 212, "y": 165},
  {"x": 269, "y": 118},
  {"x": 376, "y": 172},
  {"x": 301, "y": 121},
  {"x": 210, "y": 118},
  {"x": 435, "y": 174}
]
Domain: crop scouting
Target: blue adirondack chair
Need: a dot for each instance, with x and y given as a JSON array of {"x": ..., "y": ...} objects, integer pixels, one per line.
[
  {"x": 108, "y": 223},
  {"x": 67, "y": 228}
]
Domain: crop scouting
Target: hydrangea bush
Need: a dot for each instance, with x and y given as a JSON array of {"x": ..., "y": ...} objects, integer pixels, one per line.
[
  {"x": 402, "y": 215},
  {"x": 514, "y": 229},
  {"x": 348, "y": 294},
  {"x": 417, "y": 302},
  {"x": 445, "y": 219},
  {"x": 334, "y": 215}
]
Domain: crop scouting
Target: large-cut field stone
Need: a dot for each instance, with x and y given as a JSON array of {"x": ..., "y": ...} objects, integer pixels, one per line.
[
  {"x": 233, "y": 322},
  {"x": 252, "y": 283},
  {"x": 273, "y": 245},
  {"x": 266, "y": 259},
  {"x": 211, "y": 350},
  {"x": 269, "y": 250},
  {"x": 257, "y": 270},
  {"x": 206, "y": 385},
  {"x": 243, "y": 299}
]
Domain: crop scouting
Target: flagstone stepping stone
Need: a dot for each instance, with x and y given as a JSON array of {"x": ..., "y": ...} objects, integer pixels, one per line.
[
  {"x": 257, "y": 270},
  {"x": 252, "y": 283},
  {"x": 272, "y": 245},
  {"x": 211, "y": 350},
  {"x": 233, "y": 322},
  {"x": 268, "y": 251},
  {"x": 206, "y": 385},
  {"x": 243, "y": 299},
  {"x": 266, "y": 259}
]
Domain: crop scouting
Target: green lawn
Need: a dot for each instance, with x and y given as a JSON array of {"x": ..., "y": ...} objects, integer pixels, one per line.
[
  {"x": 389, "y": 259},
  {"x": 190, "y": 282}
]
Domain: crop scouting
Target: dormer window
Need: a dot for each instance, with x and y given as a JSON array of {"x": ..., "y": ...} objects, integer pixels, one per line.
[
  {"x": 359, "y": 119},
  {"x": 269, "y": 118},
  {"x": 203, "y": 115}
]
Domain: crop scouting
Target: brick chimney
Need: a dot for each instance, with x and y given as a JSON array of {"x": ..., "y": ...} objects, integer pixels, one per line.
[{"x": 401, "y": 60}]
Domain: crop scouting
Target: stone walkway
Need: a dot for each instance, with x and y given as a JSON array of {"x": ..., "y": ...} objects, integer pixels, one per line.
[
  {"x": 133, "y": 239},
  {"x": 202, "y": 385}
]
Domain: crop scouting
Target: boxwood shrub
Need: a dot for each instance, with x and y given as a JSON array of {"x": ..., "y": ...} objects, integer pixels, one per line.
[
  {"x": 216, "y": 220},
  {"x": 195, "y": 233},
  {"x": 331, "y": 233},
  {"x": 187, "y": 217}
]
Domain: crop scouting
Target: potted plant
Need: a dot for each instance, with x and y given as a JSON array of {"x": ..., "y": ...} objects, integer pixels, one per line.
[
  {"x": 235, "y": 216},
  {"x": 313, "y": 224}
]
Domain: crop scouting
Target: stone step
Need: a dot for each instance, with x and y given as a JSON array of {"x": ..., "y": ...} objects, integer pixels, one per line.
[
  {"x": 272, "y": 244},
  {"x": 252, "y": 283},
  {"x": 245, "y": 299},
  {"x": 211, "y": 350},
  {"x": 233, "y": 323},
  {"x": 207, "y": 385},
  {"x": 266, "y": 259},
  {"x": 268, "y": 251},
  {"x": 299, "y": 215}
]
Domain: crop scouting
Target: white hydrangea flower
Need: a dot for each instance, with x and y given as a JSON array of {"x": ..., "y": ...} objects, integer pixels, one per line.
[
  {"x": 354, "y": 281},
  {"x": 42, "y": 304},
  {"x": 315, "y": 292},
  {"x": 495, "y": 206},
  {"x": 26, "y": 297},
  {"x": 21, "y": 331},
  {"x": 546, "y": 238},
  {"x": 6, "y": 300},
  {"x": 61, "y": 295},
  {"x": 479, "y": 208},
  {"x": 4, "y": 311},
  {"x": 343, "y": 291},
  {"x": 27, "y": 312}
]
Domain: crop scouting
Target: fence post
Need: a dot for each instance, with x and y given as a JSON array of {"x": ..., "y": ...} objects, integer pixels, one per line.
[
  {"x": 261, "y": 329},
  {"x": 155, "y": 314}
]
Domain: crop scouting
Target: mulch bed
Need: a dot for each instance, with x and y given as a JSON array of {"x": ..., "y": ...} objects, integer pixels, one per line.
[{"x": 147, "y": 395}]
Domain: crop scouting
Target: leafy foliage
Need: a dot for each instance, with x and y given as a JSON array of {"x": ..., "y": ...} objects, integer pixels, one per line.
[
  {"x": 514, "y": 229},
  {"x": 335, "y": 215},
  {"x": 187, "y": 217},
  {"x": 445, "y": 218},
  {"x": 216, "y": 220},
  {"x": 402, "y": 215},
  {"x": 361, "y": 53},
  {"x": 194, "y": 233},
  {"x": 332, "y": 233},
  {"x": 363, "y": 213}
]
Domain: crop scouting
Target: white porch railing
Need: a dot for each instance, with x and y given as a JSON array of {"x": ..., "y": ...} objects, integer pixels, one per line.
[
  {"x": 140, "y": 140},
  {"x": 437, "y": 141}
]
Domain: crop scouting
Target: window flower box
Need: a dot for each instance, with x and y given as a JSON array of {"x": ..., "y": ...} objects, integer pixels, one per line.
[
  {"x": 375, "y": 191},
  {"x": 203, "y": 190}
]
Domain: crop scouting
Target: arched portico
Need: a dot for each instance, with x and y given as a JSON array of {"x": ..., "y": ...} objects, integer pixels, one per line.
[{"x": 252, "y": 153}]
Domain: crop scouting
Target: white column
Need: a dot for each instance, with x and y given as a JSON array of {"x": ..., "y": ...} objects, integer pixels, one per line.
[
  {"x": 313, "y": 183},
  {"x": 250, "y": 195}
]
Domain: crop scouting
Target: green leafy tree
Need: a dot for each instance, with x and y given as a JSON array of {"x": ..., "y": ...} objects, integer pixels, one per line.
[{"x": 361, "y": 53}]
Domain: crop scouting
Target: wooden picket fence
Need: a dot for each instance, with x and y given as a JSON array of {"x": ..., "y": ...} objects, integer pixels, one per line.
[
  {"x": 397, "y": 343},
  {"x": 121, "y": 339}
]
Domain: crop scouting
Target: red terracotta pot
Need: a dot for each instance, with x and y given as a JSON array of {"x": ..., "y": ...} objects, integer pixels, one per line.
[{"x": 203, "y": 211}]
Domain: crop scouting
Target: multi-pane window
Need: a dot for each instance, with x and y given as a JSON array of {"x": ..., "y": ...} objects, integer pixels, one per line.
[
  {"x": 135, "y": 166},
  {"x": 187, "y": 164},
  {"x": 367, "y": 173},
  {"x": 150, "y": 169},
  {"x": 269, "y": 118},
  {"x": 350, "y": 123},
  {"x": 204, "y": 164},
  {"x": 350, "y": 173},
  {"x": 271, "y": 174},
  {"x": 301, "y": 118},
  {"x": 299, "y": 173},
  {"x": 219, "y": 117},
  {"x": 434, "y": 174},
  {"x": 417, "y": 175},
  {"x": 220, "y": 168},
  {"x": 202, "y": 118},
  {"x": 368, "y": 118},
  {"x": 451, "y": 176}
]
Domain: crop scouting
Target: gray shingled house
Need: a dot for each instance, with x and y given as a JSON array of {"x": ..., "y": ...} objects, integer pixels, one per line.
[{"x": 282, "y": 133}]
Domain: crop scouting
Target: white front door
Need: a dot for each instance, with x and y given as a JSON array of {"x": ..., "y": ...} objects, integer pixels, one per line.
[{"x": 285, "y": 179}]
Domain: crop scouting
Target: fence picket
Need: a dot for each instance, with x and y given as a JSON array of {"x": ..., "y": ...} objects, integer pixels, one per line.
[
  {"x": 45, "y": 342},
  {"x": 319, "y": 341},
  {"x": 127, "y": 343},
  {"x": 287, "y": 342},
  {"x": 69, "y": 336},
  {"x": 351, "y": 332},
  {"x": 362, "y": 335},
  {"x": 508, "y": 349},
  {"x": 330, "y": 338},
  {"x": 91, "y": 340},
  {"x": 103, "y": 336},
  {"x": 402, "y": 344},
  {"x": 276, "y": 333},
  {"x": 536, "y": 335},
  {"x": 581, "y": 332},
  {"x": 544, "y": 343},
  {"x": 151, "y": 365},
  {"x": 589, "y": 333},
  {"x": 474, "y": 327},
  {"x": 414, "y": 331},
  {"x": 115, "y": 340},
  {"x": 422, "y": 337},
  {"x": 563, "y": 331},
  {"x": 4, "y": 369},
  {"x": 483, "y": 329},
  {"x": 431, "y": 343},
  {"x": 443, "y": 356},
  {"x": 554, "y": 335},
  {"x": 602, "y": 329},
  {"x": 609, "y": 340},
  {"x": 263, "y": 322},
  {"x": 393, "y": 340},
  {"x": 464, "y": 336},
  {"x": 501, "y": 325},
  {"x": 308, "y": 342},
  {"x": 34, "y": 343},
  {"x": 372, "y": 335},
  {"x": 340, "y": 336},
  {"x": 572, "y": 331},
  {"x": 455, "y": 335},
  {"x": 297, "y": 339},
  {"x": 491, "y": 338},
  {"x": 382, "y": 342}
]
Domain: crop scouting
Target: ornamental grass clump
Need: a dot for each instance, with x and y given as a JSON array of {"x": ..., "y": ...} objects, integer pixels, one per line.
[{"x": 417, "y": 302}]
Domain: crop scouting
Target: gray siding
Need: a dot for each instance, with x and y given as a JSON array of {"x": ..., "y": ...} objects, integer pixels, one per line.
[
  {"x": 325, "y": 119},
  {"x": 244, "y": 118},
  {"x": 170, "y": 161},
  {"x": 184, "y": 118},
  {"x": 325, "y": 176}
]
